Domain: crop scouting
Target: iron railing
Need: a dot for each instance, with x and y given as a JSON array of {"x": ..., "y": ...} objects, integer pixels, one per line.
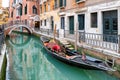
[
  {"x": 48, "y": 32},
  {"x": 69, "y": 34},
  {"x": 103, "y": 41}
]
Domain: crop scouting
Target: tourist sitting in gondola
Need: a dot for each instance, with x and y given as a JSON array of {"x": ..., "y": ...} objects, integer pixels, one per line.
[{"x": 53, "y": 46}]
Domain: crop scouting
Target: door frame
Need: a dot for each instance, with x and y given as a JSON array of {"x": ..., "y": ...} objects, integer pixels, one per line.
[
  {"x": 103, "y": 19},
  {"x": 110, "y": 31},
  {"x": 72, "y": 31},
  {"x": 84, "y": 20}
]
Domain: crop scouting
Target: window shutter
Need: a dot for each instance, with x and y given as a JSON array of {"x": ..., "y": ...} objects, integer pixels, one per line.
[
  {"x": 20, "y": 10},
  {"x": 64, "y": 2},
  {"x": 61, "y": 2}
]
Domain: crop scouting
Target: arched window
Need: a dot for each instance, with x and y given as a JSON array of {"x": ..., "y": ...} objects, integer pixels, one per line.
[
  {"x": 25, "y": 9},
  {"x": 20, "y": 10},
  {"x": 12, "y": 14},
  {"x": 34, "y": 10}
]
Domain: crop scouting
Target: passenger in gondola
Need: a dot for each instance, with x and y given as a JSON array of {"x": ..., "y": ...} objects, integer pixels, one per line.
[
  {"x": 83, "y": 56},
  {"x": 45, "y": 44}
]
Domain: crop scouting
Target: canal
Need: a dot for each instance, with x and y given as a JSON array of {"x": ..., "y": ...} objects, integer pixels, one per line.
[{"x": 28, "y": 60}]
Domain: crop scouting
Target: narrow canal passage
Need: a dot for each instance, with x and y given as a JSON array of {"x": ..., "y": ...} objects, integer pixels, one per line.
[{"x": 28, "y": 60}]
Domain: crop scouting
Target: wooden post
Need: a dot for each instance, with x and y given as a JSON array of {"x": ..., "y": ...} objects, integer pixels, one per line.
[
  {"x": 76, "y": 35},
  {"x": 54, "y": 33}
]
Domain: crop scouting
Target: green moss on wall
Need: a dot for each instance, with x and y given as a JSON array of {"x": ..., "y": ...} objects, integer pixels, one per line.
[{"x": 3, "y": 71}]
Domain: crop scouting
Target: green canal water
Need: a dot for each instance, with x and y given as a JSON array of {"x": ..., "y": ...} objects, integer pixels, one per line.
[{"x": 28, "y": 60}]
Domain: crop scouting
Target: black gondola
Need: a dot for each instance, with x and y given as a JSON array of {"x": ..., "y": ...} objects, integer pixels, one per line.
[{"x": 89, "y": 63}]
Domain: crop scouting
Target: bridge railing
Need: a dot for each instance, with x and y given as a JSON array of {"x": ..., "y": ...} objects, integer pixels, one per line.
[{"x": 18, "y": 22}]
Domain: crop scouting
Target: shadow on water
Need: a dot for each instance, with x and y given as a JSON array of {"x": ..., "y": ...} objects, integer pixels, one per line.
[{"x": 28, "y": 60}]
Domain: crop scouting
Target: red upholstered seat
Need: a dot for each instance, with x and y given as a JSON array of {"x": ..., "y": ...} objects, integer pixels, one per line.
[{"x": 56, "y": 48}]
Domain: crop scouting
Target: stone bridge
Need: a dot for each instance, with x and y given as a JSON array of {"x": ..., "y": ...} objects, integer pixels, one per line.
[{"x": 9, "y": 29}]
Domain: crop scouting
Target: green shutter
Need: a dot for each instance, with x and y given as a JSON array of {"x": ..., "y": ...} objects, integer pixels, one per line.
[
  {"x": 71, "y": 24},
  {"x": 77, "y": 0},
  {"x": 61, "y": 2},
  {"x": 26, "y": 9},
  {"x": 64, "y": 2},
  {"x": 20, "y": 10}
]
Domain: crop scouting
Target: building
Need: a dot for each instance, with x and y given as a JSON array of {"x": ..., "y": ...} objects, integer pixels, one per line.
[
  {"x": 24, "y": 10},
  {"x": 0, "y": 3},
  {"x": 103, "y": 17},
  {"x": 96, "y": 21},
  {"x": 3, "y": 14},
  {"x": 72, "y": 13},
  {"x": 49, "y": 14}
]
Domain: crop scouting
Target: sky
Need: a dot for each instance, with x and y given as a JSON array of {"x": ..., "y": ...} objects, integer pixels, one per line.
[{"x": 5, "y": 3}]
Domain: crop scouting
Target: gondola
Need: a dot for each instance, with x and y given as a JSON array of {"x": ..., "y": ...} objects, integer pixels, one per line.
[{"x": 89, "y": 63}]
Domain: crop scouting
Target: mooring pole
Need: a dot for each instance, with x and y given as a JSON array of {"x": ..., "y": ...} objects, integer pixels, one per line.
[
  {"x": 76, "y": 35},
  {"x": 54, "y": 33}
]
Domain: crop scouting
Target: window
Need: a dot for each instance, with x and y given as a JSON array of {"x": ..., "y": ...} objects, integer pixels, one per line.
[
  {"x": 34, "y": 10},
  {"x": 41, "y": 22},
  {"x": 41, "y": 9},
  {"x": 44, "y": 7},
  {"x": 44, "y": 22},
  {"x": 20, "y": 10},
  {"x": 62, "y": 3},
  {"x": 26, "y": 9},
  {"x": 77, "y": 0},
  {"x": 12, "y": 14},
  {"x": 48, "y": 7},
  {"x": 62, "y": 22},
  {"x": 55, "y": 5},
  {"x": 14, "y": 1},
  {"x": 94, "y": 20}
]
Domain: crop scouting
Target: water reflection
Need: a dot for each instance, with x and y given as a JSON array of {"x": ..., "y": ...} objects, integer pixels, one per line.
[{"x": 28, "y": 60}]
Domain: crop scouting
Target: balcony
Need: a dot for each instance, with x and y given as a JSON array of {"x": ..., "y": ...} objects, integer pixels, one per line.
[{"x": 17, "y": 3}]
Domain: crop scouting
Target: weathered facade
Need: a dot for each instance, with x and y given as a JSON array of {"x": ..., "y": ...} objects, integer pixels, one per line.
[
  {"x": 97, "y": 22},
  {"x": 107, "y": 14},
  {"x": 49, "y": 16},
  {"x": 24, "y": 10},
  {"x": 0, "y": 3},
  {"x": 72, "y": 13},
  {"x": 3, "y": 14}
]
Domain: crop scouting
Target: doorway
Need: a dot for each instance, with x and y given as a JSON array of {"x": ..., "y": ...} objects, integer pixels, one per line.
[
  {"x": 37, "y": 24},
  {"x": 110, "y": 26},
  {"x": 81, "y": 20},
  {"x": 71, "y": 24}
]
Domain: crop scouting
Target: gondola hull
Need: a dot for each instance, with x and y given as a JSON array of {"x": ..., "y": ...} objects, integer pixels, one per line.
[{"x": 78, "y": 62}]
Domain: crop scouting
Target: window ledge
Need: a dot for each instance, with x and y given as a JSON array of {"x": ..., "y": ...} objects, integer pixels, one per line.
[
  {"x": 80, "y": 1},
  {"x": 62, "y": 7}
]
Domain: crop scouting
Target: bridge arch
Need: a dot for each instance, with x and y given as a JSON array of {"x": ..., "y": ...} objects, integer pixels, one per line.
[{"x": 18, "y": 26}]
